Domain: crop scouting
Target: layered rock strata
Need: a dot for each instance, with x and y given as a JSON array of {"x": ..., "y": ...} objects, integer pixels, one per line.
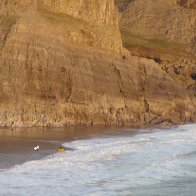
[
  {"x": 62, "y": 64},
  {"x": 162, "y": 19}
]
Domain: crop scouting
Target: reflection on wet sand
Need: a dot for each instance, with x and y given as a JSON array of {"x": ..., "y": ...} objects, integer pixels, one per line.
[{"x": 17, "y": 145}]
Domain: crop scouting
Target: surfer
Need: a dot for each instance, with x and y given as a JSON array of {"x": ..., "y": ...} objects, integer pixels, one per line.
[{"x": 36, "y": 148}]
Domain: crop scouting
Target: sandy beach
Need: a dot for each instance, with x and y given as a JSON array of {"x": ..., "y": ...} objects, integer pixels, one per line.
[{"x": 16, "y": 145}]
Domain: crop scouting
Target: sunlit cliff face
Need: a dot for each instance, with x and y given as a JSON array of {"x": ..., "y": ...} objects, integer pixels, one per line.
[
  {"x": 12, "y": 7},
  {"x": 62, "y": 63},
  {"x": 100, "y": 12},
  {"x": 88, "y": 22}
]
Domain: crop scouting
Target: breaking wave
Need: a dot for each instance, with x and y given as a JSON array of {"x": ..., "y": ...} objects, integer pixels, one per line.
[{"x": 162, "y": 162}]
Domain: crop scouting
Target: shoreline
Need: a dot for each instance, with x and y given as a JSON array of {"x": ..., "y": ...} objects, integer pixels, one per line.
[
  {"x": 16, "y": 146},
  {"x": 99, "y": 126}
]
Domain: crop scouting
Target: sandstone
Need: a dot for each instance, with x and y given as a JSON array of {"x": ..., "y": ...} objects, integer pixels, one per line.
[
  {"x": 187, "y": 3},
  {"x": 162, "y": 20},
  {"x": 62, "y": 63},
  {"x": 163, "y": 31}
]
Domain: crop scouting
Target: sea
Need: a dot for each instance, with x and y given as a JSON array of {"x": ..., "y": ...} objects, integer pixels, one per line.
[{"x": 150, "y": 162}]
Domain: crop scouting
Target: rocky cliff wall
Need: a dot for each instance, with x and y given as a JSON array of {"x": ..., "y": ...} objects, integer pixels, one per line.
[
  {"x": 91, "y": 23},
  {"x": 187, "y": 3},
  {"x": 46, "y": 82},
  {"x": 162, "y": 19},
  {"x": 57, "y": 69},
  {"x": 99, "y": 12},
  {"x": 14, "y": 7}
]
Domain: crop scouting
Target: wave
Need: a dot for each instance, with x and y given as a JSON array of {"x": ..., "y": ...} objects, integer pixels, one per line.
[{"x": 108, "y": 165}]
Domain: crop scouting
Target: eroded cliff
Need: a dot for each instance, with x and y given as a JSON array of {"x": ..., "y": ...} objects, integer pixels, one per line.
[
  {"x": 62, "y": 63},
  {"x": 163, "y": 30},
  {"x": 161, "y": 19}
]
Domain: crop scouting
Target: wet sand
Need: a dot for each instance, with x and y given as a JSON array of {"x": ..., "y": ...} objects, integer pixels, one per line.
[{"x": 16, "y": 145}]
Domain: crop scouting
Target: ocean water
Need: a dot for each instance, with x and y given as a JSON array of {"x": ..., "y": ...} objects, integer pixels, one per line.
[{"x": 156, "y": 162}]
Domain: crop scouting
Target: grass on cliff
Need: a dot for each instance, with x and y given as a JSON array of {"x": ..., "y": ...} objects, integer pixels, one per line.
[
  {"x": 141, "y": 46},
  {"x": 130, "y": 39}
]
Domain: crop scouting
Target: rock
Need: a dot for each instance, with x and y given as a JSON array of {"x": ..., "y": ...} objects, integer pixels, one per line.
[
  {"x": 63, "y": 64},
  {"x": 161, "y": 20},
  {"x": 187, "y": 3}
]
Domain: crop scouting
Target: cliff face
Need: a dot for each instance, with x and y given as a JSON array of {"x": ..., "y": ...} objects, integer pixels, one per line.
[
  {"x": 187, "y": 3},
  {"x": 14, "y": 7},
  {"x": 162, "y": 19},
  {"x": 99, "y": 12},
  {"x": 63, "y": 63},
  {"x": 82, "y": 22},
  {"x": 163, "y": 30}
]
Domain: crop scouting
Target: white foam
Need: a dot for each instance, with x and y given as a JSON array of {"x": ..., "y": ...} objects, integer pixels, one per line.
[{"x": 107, "y": 166}]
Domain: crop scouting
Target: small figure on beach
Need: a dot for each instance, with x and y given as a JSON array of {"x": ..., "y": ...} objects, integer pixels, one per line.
[{"x": 36, "y": 148}]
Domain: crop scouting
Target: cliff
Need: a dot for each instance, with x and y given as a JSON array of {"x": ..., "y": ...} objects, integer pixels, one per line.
[
  {"x": 63, "y": 63},
  {"x": 169, "y": 20},
  {"x": 187, "y": 3},
  {"x": 163, "y": 30}
]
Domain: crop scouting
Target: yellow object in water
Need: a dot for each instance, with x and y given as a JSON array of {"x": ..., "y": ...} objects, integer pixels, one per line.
[{"x": 60, "y": 149}]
